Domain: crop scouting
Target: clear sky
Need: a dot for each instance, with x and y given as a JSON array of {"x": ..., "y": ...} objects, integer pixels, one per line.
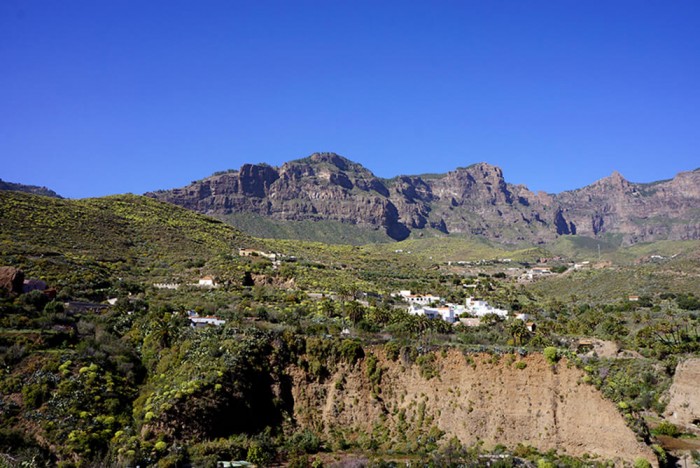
[{"x": 103, "y": 97}]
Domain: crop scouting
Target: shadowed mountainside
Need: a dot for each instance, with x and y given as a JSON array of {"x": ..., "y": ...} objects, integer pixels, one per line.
[{"x": 474, "y": 200}]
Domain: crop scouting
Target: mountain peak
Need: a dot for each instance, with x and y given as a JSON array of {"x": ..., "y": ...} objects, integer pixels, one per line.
[
  {"x": 331, "y": 158},
  {"x": 616, "y": 176},
  {"x": 615, "y": 179}
]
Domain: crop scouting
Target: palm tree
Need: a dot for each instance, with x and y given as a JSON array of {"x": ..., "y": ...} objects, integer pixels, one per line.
[{"x": 518, "y": 330}]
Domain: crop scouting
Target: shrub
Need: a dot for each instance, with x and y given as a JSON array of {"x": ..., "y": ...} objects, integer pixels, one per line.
[
  {"x": 303, "y": 441},
  {"x": 427, "y": 366},
  {"x": 520, "y": 365},
  {"x": 668, "y": 429},
  {"x": 660, "y": 454},
  {"x": 258, "y": 455},
  {"x": 392, "y": 350},
  {"x": 351, "y": 351},
  {"x": 54, "y": 307},
  {"x": 34, "y": 395},
  {"x": 35, "y": 299},
  {"x": 374, "y": 374},
  {"x": 551, "y": 354},
  {"x": 642, "y": 463}
]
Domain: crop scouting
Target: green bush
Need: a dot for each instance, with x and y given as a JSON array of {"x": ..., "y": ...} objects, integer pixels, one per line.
[
  {"x": 374, "y": 373},
  {"x": 259, "y": 455},
  {"x": 551, "y": 354},
  {"x": 303, "y": 442},
  {"x": 351, "y": 351},
  {"x": 428, "y": 366},
  {"x": 34, "y": 395},
  {"x": 393, "y": 350},
  {"x": 642, "y": 463},
  {"x": 666, "y": 428}
]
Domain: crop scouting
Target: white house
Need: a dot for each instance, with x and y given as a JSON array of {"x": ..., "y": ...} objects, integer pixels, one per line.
[
  {"x": 447, "y": 313},
  {"x": 198, "y": 322},
  {"x": 419, "y": 299},
  {"x": 481, "y": 308},
  {"x": 538, "y": 272},
  {"x": 206, "y": 282}
]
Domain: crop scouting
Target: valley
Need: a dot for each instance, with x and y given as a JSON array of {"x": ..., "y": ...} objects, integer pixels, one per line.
[{"x": 311, "y": 357}]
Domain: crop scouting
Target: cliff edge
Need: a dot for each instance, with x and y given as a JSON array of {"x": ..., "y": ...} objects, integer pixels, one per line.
[{"x": 480, "y": 398}]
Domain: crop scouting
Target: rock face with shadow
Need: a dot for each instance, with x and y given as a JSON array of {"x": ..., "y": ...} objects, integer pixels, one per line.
[{"x": 474, "y": 200}]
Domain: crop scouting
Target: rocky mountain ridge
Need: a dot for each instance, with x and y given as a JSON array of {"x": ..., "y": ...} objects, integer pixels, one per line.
[
  {"x": 35, "y": 189},
  {"x": 473, "y": 200}
]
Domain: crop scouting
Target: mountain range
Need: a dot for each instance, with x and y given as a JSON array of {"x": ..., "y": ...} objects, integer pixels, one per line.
[{"x": 473, "y": 200}]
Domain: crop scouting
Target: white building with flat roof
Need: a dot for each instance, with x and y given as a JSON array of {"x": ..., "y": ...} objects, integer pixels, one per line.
[
  {"x": 481, "y": 308},
  {"x": 449, "y": 313}
]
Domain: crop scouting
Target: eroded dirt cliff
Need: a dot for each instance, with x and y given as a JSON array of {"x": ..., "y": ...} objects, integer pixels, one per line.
[
  {"x": 475, "y": 398},
  {"x": 684, "y": 404}
]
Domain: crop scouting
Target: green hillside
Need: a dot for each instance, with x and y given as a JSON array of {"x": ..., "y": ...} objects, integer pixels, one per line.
[
  {"x": 97, "y": 242},
  {"x": 329, "y": 232},
  {"x": 457, "y": 248},
  {"x": 124, "y": 235}
]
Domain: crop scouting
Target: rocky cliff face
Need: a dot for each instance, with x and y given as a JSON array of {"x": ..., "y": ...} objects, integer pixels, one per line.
[
  {"x": 473, "y": 200},
  {"x": 323, "y": 186},
  {"x": 475, "y": 399},
  {"x": 684, "y": 405},
  {"x": 641, "y": 212}
]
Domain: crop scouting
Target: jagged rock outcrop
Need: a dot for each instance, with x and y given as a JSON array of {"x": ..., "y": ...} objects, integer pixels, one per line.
[
  {"x": 471, "y": 200},
  {"x": 640, "y": 212},
  {"x": 11, "y": 279},
  {"x": 323, "y": 186},
  {"x": 476, "y": 399}
]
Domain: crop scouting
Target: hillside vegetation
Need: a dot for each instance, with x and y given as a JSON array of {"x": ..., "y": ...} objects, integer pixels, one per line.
[
  {"x": 108, "y": 370},
  {"x": 327, "y": 231},
  {"x": 93, "y": 239}
]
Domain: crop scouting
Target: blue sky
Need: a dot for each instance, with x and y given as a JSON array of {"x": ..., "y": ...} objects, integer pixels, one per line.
[{"x": 103, "y": 97}]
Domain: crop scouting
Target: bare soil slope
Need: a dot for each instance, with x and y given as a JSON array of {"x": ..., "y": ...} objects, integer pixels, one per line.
[
  {"x": 684, "y": 405},
  {"x": 479, "y": 398}
]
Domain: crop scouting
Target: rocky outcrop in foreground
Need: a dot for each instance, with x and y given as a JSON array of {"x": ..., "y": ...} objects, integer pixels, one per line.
[
  {"x": 470, "y": 200},
  {"x": 11, "y": 279},
  {"x": 479, "y": 398}
]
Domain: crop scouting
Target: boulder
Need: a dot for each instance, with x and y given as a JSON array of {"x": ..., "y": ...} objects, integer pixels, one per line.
[{"x": 11, "y": 279}]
